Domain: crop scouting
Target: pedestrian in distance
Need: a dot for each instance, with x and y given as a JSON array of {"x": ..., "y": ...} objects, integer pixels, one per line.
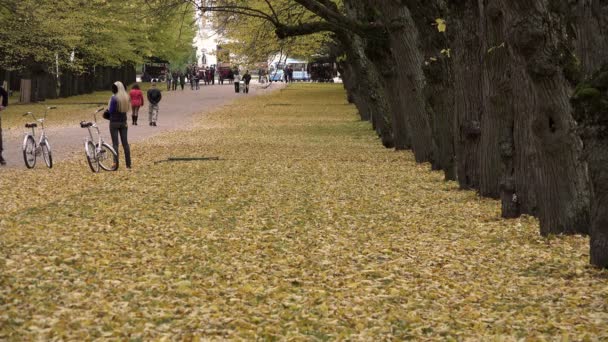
[
  {"x": 137, "y": 100},
  {"x": 182, "y": 80},
  {"x": 174, "y": 80},
  {"x": 3, "y": 106},
  {"x": 168, "y": 81},
  {"x": 246, "y": 80},
  {"x": 154, "y": 97},
  {"x": 118, "y": 108},
  {"x": 237, "y": 79}
]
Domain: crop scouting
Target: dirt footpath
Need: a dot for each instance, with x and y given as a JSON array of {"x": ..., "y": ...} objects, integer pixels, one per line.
[{"x": 177, "y": 111}]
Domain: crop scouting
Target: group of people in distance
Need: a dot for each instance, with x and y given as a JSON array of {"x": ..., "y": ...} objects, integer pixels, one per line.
[
  {"x": 119, "y": 105},
  {"x": 194, "y": 76},
  {"x": 122, "y": 101}
]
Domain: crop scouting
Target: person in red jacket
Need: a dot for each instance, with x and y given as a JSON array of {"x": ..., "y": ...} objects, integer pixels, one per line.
[{"x": 137, "y": 100}]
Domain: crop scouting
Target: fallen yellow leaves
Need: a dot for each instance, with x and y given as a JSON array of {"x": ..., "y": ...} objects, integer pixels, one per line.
[{"x": 305, "y": 229}]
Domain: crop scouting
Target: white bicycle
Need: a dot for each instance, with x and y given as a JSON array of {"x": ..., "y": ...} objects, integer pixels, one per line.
[
  {"x": 98, "y": 154},
  {"x": 31, "y": 149}
]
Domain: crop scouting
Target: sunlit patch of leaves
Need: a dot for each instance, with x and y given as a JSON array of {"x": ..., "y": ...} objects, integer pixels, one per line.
[{"x": 306, "y": 228}]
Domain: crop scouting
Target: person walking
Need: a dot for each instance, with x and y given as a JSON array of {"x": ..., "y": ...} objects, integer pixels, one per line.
[
  {"x": 191, "y": 78},
  {"x": 174, "y": 80},
  {"x": 246, "y": 80},
  {"x": 137, "y": 100},
  {"x": 154, "y": 97},
  {"x": 182, "y": 80},
  {"x": 168, "y": 75},
  {"x": 118, "y": 108},
  {"x": 3, "y": 106}
]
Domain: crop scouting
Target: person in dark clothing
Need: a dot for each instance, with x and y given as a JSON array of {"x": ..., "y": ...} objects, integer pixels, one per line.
[
  {"x": 182, "y": 80},
  {"x": 3, "y": 106},
  {"x": 246, "y": 80},
  {"x": 175, "y": 80},
  {"x": 212, "y": 70},
  {"x": 154, "y": 97},
  {"x": 118, "y": 108}
]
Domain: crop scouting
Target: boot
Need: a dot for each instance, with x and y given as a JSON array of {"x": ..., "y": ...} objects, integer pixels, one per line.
[{"x": 134, "y": 118}]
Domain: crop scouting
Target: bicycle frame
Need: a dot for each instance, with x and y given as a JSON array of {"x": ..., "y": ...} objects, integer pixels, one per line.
[
  {"x": 35, "y": 148},
  {"x": 33, "y": 133},
  {"x": 96, "y": 152}
]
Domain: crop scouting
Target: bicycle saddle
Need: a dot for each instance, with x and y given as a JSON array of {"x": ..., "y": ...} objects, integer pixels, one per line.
[
  {"x": 85, "y": 124},
  {"x": 31, "y": 125}
]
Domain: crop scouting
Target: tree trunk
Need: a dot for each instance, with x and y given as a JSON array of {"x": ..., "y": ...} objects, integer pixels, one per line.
[
  {"x": 590, "y": 102},
  {"x": 496, "y": 163},
  {"x": 412, "y": 115},
  {"x": 466, "y": 35},
  {"x": 548, "y": 176},
  {"x": 371, "y": 81},
  {"x": 589, "y": 20},
  {"x": 438, "y": 88}
]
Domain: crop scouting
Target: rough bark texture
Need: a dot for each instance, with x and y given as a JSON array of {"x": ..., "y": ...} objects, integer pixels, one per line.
[
  {"x": 355, "y": 89},
  {"x": 590, "y": 101},
  {"x": 466, "y": 35},
  {"x": 589, "y": 19},
  {"x": 497, "y": 120},
  {"x": 371, "y": 96},
  {"x": 549, "y": 178},
  {"x": 404, "y": 42},
  {"x": 438, "y": 86}
]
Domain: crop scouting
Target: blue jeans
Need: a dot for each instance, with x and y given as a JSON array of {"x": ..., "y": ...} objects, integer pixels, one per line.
[{"x": 121, "y": 128}]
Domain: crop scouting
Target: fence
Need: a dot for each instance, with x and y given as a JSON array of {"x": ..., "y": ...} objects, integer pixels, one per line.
[{"x": 42, "y": 84}]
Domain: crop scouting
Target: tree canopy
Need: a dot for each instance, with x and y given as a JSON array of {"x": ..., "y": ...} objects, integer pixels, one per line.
[{"x": 79, "y": 33}]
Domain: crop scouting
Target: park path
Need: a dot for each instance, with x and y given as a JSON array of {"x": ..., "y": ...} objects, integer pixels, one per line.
[{"x": 177, "y": 111}]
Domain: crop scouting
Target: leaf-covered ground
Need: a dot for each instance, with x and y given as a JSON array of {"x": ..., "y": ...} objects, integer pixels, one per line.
[{"x": 305, "y": 229}]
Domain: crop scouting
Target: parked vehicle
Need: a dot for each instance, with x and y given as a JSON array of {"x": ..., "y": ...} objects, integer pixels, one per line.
[
  {"x": 99, "y": 154},
  {"x": 31, "y": 148}
]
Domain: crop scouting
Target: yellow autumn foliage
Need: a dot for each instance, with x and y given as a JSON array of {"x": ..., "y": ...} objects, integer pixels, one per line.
[{"x": 306, "y": 228}]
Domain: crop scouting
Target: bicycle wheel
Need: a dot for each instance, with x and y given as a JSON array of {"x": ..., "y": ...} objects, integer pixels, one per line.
[
  {"x": 46, "y": 153},
  {"x": 29, "y": 151},
  {"x": 89, "y": 149},
  {"x": 107, "y": 157}
]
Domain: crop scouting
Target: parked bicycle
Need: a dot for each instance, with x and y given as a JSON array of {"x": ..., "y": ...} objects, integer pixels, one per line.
[
  {"x": 31, "y": 149},
  {"x": 98, "y": 154}
]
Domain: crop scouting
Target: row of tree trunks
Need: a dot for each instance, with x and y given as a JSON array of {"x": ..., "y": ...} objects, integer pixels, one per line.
[
  {"x": 488, "y": 103},
  {"x": 371, "y": 83},
  {"x": 409, "y": 79},
  {"x": 438, "y": 88},
  {"x": 44, "y": 83},
  {"x": 494, "y": 115},
  {"x": 590, "y": 101}
]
